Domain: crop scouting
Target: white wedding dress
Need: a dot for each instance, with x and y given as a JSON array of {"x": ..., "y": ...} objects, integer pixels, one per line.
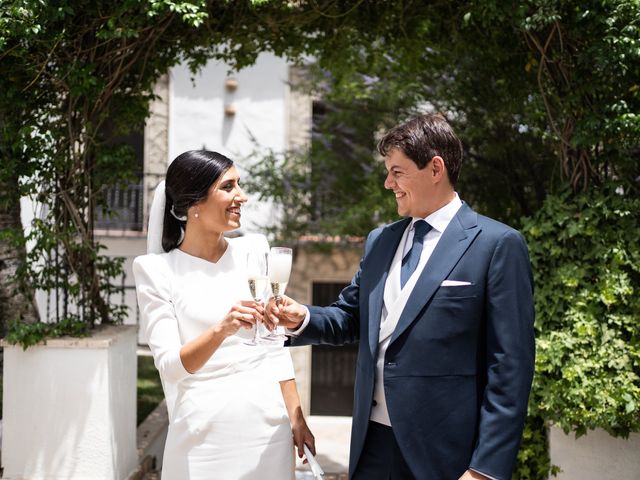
[{"x": 228, "y": 420}]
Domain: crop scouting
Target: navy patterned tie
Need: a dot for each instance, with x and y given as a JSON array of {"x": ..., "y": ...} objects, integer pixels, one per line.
[{"x": 411, "y": 259}]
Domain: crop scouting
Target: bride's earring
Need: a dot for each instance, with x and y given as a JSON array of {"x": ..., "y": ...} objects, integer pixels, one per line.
[{"x": 196, "y": 215}]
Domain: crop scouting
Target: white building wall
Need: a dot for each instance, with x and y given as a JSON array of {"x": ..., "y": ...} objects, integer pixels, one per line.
[
  {"x": 197, "y": 117},
  {"x": 594, "y": 456}
]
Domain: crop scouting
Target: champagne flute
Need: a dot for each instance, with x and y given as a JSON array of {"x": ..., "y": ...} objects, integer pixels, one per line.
[
  {"x": 258, "y": 283},
  {"x": 279, "y": 269}
]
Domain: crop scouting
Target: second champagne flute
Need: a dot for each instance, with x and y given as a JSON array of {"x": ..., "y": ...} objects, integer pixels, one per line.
[
  {"x": 258, "y": 283},
  {"x": 279, "y": 268}
]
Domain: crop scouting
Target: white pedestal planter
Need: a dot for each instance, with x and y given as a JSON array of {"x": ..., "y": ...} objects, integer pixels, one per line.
[
  {"x": 595, "y": 456},
  {"x": 69, "y": 408}
]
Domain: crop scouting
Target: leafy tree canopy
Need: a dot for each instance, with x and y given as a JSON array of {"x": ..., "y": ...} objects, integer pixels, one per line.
[
  {"x": 542, "y": 93},
  {"x": 77, "y": 72}
]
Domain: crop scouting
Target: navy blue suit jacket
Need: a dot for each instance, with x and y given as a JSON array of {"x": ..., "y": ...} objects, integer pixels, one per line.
[{"x": 459, "y": 365}]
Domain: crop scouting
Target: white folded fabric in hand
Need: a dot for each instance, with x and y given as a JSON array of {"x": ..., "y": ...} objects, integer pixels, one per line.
[{"x": 316, "y": 469}]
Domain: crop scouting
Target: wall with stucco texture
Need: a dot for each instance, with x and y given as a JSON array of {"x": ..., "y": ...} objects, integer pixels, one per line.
[
  {"x": 197, "y": 117},
  {"x": 595, "y": 456},
  {"x": 69, "y": 408}
]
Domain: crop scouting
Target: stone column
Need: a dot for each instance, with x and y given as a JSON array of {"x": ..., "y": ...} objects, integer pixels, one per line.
[
  {"x": 300, "y": 109},
  {"x": 156, "y": 143}
]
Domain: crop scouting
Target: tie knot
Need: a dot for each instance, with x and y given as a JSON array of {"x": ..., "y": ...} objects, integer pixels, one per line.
[{"x": 421, "y": 229}]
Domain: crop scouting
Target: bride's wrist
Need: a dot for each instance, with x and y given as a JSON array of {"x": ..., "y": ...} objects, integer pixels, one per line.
[
  {"x": 297, "y": 418},
  {"x": 217, "y": 332}
]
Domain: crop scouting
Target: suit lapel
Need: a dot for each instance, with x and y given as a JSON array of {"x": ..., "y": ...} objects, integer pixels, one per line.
[
  {"x": 381, "y": 255},
  {"x": 455, "y": 240}
]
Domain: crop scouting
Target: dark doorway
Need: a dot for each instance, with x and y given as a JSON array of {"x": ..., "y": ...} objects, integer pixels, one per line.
[{"x": 333, "y": 369}]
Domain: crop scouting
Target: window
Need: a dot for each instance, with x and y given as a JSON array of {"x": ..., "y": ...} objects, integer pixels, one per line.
[{"x": 125, "y": 201}]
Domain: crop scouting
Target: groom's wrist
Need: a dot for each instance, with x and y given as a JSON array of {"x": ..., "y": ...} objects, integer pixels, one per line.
[{"x": 294, "y": 332}]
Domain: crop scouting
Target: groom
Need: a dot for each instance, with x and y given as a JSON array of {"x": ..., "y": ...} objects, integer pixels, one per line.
[{"x": 442, "y": 308}]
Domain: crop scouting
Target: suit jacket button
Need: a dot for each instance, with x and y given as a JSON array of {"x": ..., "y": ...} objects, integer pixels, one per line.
[
  {"x": 374, "y": 403},
  {"x": 391, "y": 364}
]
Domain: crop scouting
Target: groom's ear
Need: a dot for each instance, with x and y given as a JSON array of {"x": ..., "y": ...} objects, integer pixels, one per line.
[{"x": 437, "y": 169}]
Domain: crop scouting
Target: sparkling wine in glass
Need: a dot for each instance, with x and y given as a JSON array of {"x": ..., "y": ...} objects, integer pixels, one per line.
[
  {"x": 279, "y": 269},
  {"x": 258, "y": 284}
]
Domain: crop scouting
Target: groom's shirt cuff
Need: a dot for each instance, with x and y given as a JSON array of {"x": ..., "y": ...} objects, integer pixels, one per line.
[
  {"x": 481, "y": 473},
  {"x": 298, "y": 331}
]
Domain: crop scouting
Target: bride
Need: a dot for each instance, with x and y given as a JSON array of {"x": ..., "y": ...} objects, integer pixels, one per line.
[{"x": 234, "y": 411}]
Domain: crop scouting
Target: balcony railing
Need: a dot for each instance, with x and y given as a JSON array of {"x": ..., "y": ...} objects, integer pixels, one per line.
[{"x": 125, "y": 208}]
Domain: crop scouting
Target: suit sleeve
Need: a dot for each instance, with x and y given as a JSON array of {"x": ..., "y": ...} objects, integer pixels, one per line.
[
  {"x": 510, "y": 356},
  {"x": 338, "y": 323}
]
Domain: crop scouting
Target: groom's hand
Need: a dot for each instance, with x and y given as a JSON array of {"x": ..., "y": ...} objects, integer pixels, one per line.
[{"x": 286, "y": 313}]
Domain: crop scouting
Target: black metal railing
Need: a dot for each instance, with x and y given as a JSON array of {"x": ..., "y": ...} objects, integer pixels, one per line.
[
  {"x": 58, "y": 305},
  {"x": 125, "y": 208}
]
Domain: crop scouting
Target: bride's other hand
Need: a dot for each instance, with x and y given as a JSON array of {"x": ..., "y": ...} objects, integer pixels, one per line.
[
  {"x": 301, "y": 436},
  {"x": 243, "y": 314},
  {"x": 195, "y": 353},
  {"x": 301, "y": 433}
]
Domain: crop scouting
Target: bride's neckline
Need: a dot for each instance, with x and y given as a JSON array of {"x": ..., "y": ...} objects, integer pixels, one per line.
[{"x": 224, "y": 254}]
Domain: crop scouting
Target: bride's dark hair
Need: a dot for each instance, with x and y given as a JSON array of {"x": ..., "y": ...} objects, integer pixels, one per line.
[{"x": 189, "y": 178}]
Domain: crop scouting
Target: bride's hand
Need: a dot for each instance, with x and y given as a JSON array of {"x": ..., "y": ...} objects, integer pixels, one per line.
[
  {"x": 302, "y": 435},
  {"x": 243, "y": 314}
]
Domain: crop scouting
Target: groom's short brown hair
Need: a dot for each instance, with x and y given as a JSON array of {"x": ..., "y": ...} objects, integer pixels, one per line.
[{"x": 423, "y": 138}]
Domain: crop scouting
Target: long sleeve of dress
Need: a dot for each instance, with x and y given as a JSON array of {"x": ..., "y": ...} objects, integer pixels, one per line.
[
  {"x": 280, "y": 358},
  {"x": 158, "y": 318}
]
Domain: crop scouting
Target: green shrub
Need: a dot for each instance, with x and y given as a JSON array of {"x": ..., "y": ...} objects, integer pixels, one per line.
[
  {"x": 533, "y": 457},
  {"x": 585, "y": 253},
  {"x": 150, "y": 392},
  {"x": 29, "y": 334}
]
